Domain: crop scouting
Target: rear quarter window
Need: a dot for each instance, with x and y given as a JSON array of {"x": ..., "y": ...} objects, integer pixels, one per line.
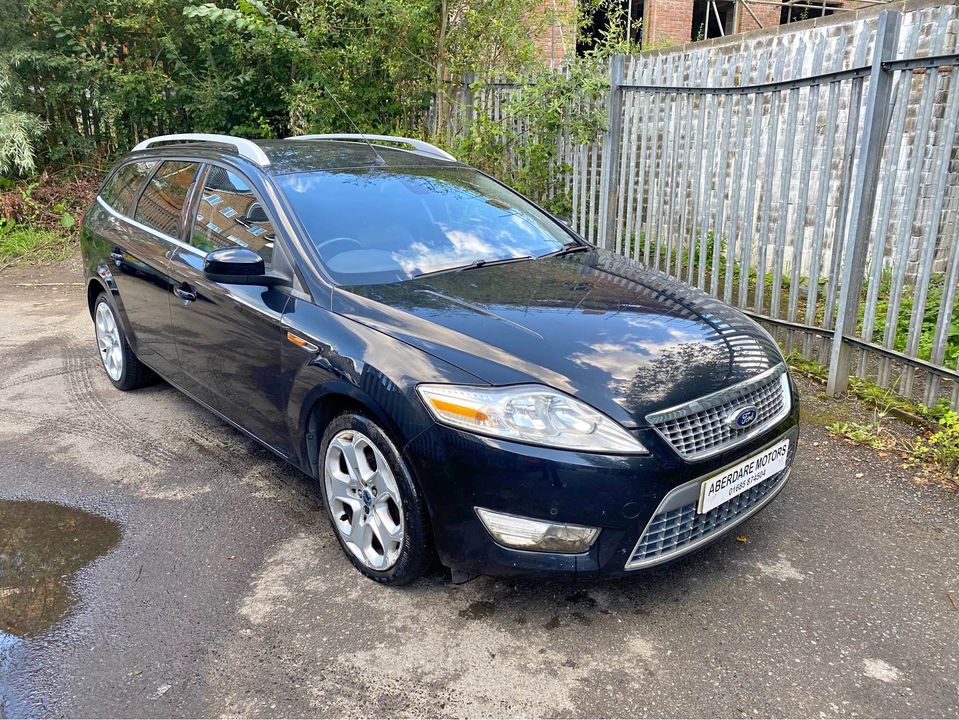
[{"x": 121, "y": 189}]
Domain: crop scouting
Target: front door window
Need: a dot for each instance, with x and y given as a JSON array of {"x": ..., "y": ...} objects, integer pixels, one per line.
[{"x": 230, "y": 215}]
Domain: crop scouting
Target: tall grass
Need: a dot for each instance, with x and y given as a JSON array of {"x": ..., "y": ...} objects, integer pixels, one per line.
[{"x": 22, "y": 245}]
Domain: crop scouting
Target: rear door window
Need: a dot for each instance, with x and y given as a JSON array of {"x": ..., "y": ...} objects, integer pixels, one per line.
[
  {"x": 162, "y": 199},
  {"x": 121, "y": 191},
  {"x": 230, "y": 215}
]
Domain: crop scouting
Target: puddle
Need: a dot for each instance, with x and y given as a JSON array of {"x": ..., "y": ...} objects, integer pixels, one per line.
[{"x": 42, "y": 545}]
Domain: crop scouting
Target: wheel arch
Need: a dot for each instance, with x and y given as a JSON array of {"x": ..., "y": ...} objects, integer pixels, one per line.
[
  {"x": 94, "y": 287},
  {"x": 330, "y": 400}
]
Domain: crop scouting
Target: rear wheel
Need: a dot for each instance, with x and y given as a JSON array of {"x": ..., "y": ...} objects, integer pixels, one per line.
[
  {"x": 374, "y": 507},
  {"x": 124, "y": 369}
]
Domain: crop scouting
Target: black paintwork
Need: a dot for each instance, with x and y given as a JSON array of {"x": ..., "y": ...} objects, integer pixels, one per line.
[
  {"x": 624, "y": 339},
  {"x": 619, "y": 336}
]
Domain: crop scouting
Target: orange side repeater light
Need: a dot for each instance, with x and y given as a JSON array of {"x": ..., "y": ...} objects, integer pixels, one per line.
[{"x": 297, "y": 340}]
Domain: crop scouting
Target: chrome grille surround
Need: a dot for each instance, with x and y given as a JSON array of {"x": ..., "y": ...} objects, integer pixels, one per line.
[
  {"x": 699, "y": 429},
  {"x": 676, "y": 528}
]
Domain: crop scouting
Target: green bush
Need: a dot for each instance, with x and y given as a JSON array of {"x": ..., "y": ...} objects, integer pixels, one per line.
[
  {"x": 522, "y": 147},
  {"x": 102, "y": 75}
]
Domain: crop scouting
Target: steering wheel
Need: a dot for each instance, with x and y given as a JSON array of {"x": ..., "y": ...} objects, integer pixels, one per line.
[{"x": 340, "y": 239}]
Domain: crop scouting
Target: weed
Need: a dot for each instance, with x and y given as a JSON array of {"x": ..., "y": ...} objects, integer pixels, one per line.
[
  {"x": 806, "y": 367},
  {"x": 873, "y": 433},
  {"x": 941, "y": 446},
  {"x": 870, "y": 434},
  {"x": 936, "y": 412},
  {"x": 928, "y": 319}
]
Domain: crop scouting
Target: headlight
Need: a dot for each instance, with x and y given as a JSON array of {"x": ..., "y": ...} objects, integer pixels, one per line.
[{"x": 528, "y": 413}]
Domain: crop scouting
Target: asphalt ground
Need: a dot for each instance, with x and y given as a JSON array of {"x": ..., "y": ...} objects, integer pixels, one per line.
[{"x": 155, "y": 562}]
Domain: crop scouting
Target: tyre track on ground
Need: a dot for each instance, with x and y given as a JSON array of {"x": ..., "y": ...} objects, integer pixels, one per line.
[
  {"x": 33, "y": 377},
  {"x": 100, "y": 421}
]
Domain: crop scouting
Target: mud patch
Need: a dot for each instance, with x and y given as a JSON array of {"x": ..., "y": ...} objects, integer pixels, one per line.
[{"x": 478, "y": 610}]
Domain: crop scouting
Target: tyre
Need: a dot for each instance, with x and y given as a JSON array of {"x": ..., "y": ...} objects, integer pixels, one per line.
[
  {"x": 124, "y": 369},
  {"x": 376, "y": 511}
]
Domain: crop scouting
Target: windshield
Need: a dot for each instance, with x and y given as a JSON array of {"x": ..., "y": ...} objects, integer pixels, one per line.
[{"x": 381, "y": 226}]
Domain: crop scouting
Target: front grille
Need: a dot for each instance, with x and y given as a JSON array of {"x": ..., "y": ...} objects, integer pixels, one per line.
[
  {"x": 674, "y": 530},
  {"x": 700, "y": 428}
]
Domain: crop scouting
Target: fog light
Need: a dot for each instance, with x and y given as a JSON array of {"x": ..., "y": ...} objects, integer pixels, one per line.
[{"x": 526, "y": 534}]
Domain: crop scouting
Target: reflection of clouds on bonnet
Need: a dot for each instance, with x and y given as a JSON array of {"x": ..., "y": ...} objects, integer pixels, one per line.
[
  {"x": 625, "y": 360},
  {"x": 656, "y": 371}
]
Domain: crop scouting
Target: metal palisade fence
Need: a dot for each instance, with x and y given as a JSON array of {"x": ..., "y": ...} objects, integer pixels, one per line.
[{"x": 808, "y": 175}]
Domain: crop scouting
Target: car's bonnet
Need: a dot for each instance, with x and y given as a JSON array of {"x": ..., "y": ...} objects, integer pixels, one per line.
[{"x": 623, "y": 338}]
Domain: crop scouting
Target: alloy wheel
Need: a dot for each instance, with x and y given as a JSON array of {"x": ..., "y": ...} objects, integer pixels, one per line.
[
  {"x": 364, "y": 499},
  {"x": 109, "y": 341}
]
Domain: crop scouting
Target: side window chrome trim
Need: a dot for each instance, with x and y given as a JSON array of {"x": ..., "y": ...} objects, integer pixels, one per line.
[{"x": 147, "y": 228}]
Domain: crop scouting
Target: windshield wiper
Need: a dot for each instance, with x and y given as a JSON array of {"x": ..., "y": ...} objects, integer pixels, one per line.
[
  {"x": 473, "y": 265},
  {"x": 565, "y": 250}
]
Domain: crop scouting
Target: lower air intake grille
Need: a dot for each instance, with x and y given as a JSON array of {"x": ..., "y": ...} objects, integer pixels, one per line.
[{"x": 671, "y": 531}]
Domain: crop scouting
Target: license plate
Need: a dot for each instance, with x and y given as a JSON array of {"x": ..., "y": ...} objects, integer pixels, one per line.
[{"x": 739, "y": 478}]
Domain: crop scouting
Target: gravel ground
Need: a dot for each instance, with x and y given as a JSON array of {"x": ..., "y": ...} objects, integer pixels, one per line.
[{"x": 204, "y": 580}]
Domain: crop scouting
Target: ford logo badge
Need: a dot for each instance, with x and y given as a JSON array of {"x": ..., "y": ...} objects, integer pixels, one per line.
[{"x": 742, "y": 417}]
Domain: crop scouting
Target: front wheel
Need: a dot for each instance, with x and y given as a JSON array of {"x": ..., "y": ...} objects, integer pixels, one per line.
[
  {"x": 124, "y": 369},
  {"x": 374, "y": 506}
]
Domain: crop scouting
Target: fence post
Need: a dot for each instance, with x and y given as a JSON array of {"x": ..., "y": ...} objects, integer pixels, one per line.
[
  {"x": 612, "y": 143},
  {"x": 468, "y": 79},
  {"x": 863, "y": 199}
]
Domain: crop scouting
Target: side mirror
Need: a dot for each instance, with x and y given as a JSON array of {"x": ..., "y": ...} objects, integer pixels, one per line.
[{"x": 236, "y": 266}]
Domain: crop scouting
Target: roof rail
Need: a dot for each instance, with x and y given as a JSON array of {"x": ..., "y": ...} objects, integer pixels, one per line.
[
  {"x": 245, "y": 148},
  {"x": 420, "y": 145}
]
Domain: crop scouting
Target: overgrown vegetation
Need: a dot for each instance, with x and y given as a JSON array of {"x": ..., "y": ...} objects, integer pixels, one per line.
[
  {"x": 27, "y": 244},
  {"x": 941, "y": 446},
  {"x": 19, "y": 131},
  {"x": 522, "y": 146},
  {"x": 936, "y": 438},
  {"x": 98, "y": 76},
  {"x": 39, "y": 217},
  {"x": 83, "y": 80},
  {"x": 929, "y": 318}
]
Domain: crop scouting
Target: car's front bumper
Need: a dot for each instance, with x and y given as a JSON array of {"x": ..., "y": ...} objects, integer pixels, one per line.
[{"x": 624, "y": 496}]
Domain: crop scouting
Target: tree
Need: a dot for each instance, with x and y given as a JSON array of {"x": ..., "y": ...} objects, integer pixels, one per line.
[{"x": 19, "y": 131}]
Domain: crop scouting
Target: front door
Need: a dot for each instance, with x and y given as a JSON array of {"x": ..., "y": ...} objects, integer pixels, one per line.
[{"x": 229, "y": 336}]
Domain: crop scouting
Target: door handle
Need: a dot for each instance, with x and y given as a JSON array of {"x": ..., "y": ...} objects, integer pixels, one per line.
[
  {"x": 184, "y": 293},
  {"x": 116, "y": 255}
]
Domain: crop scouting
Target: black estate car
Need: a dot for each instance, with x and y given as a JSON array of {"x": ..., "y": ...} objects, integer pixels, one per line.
[{"x": 461, "y": 373}]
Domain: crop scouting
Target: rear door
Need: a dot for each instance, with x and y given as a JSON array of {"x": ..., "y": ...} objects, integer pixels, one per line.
[
  {"x": 139, "y": 256},
  {"x": 229, "y": 336}
]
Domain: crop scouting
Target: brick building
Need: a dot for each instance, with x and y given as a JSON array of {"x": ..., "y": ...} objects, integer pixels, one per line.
[{"x": 675, "y": 22}]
